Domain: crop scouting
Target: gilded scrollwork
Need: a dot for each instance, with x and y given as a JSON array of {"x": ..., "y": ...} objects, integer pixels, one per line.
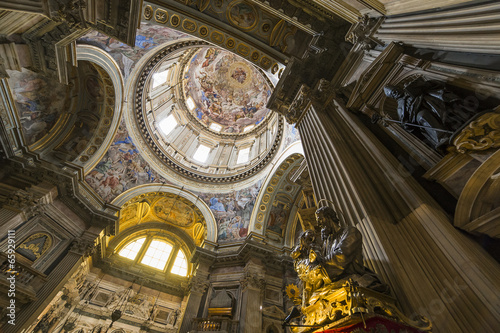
[{"x": 480, "y": 134}]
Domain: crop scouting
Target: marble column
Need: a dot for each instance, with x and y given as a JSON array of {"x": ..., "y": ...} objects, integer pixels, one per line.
[
  {"x": 474, "y": 28},
  {"x": 409, "y": 241}
]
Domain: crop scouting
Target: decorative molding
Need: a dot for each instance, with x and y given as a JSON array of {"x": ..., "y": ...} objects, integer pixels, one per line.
[{"x": 480, "y": 134}]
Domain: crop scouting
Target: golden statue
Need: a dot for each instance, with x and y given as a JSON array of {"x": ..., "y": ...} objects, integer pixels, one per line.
[{"x": 337, "y": 289}]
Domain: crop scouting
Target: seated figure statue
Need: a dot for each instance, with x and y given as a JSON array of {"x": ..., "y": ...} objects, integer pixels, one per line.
[
  {"x": 337, "y": 290},
  {"x": 437, "y": 111},
  {"x": 329, "y": 261},
  {"x": 342, "y": 252}
]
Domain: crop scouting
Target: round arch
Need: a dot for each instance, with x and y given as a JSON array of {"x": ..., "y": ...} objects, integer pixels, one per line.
[
  {"x": 101, "y": 58},
  {"x": 256, "y": 220},
  {"x": 200, "y": 204}
]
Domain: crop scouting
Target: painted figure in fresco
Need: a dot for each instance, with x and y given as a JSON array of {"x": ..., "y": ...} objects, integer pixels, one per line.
[
  {"x": 429, "y": 104},
  {"x": 216, "y": 205},
  {"x": 243, "y": 15},
  {"x": 226, "y": 91}
]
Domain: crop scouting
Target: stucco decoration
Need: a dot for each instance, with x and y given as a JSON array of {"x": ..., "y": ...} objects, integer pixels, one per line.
[
  {"x": 174, "y": 211},
  {"x": 226, "y": 90},
  {"x": 167, "y": 204}
]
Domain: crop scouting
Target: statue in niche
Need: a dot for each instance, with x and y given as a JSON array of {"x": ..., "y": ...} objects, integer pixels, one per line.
[
  {"x": 431, "y": 109},
  {"x": 337, "y": 289}
]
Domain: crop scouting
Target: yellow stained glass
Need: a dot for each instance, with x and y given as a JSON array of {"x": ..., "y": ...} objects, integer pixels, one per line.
[
  {"x": 131, "y": 249},
  {"x": 180, "y": 265},
  {"x": 157, "y": 254}
]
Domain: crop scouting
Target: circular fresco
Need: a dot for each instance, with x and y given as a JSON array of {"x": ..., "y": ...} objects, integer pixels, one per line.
[
  {"x": 226, "y": 90},
  {"x": 242, "y": 15}
]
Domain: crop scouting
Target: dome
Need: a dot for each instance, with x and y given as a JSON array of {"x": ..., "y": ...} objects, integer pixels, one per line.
[
  {"x": 225, "y": 92},
  {"x": 201, "y": 110}
]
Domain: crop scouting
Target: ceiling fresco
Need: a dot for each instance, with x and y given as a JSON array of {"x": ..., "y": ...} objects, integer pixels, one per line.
[
  {"x": 148, "y": 36},
  {"x": 40, "y": 102},
  {"x": 215, "y": 79},
  {"x": 121, "y": 168},
  {"x": 232, "y": 211},
  {"x": 226, "y": 90}
]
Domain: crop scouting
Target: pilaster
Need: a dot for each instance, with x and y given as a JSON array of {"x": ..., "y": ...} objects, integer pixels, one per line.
[
  {"x": 252, "y": 285},
  {"x": 197, "y": 288}
]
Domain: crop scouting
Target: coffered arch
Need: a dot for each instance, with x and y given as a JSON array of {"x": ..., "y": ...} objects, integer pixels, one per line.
[{"x": 154, "y": 196}]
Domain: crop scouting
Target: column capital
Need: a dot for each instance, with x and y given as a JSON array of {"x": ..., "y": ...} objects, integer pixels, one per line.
[
  {"x": 82, "y": 247},
  {"x": 198, "y": 284},
  {"x": 361, "y": 34},
  {"x": 253, "y": 281},
  {"x": 306, "y": 97}
]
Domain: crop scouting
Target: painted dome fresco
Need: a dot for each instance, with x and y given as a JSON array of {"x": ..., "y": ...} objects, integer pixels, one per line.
[
  {"x": 225, "y": 92},
  {"x": 202, "y": 112}
]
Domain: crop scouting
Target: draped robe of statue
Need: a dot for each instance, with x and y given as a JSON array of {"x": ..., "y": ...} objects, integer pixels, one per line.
[
  {"x": 326, "y": 263},
  {"x": 432, "y": 106}
]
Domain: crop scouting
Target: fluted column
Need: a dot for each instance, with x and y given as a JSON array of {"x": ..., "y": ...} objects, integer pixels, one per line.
[
  {"x": 475, "y": 28},
  {"x": 409, "y": 241}
]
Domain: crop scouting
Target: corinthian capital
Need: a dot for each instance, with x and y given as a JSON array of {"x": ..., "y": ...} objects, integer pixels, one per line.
[
  {"x": 198, "y": 284},
  {"x": 82, "y": 247},
  {"x": 253, "y": 281},
  {"x": 299, "y": 104}
]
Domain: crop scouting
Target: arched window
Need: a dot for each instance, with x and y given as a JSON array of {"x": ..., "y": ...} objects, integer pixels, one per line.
[
  {"x": 180, "y": 264},
  {"x": 156, "y": 252},
  {"x": 130, "y": 251}
]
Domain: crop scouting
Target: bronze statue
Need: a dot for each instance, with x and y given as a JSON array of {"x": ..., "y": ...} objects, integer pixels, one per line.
[
  {"x": 335, "y": 283},
  {"x": 430, "y": 108}
]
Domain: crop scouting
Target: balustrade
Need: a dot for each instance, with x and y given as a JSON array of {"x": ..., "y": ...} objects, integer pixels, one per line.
[{"x": 214, "y": 325}]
